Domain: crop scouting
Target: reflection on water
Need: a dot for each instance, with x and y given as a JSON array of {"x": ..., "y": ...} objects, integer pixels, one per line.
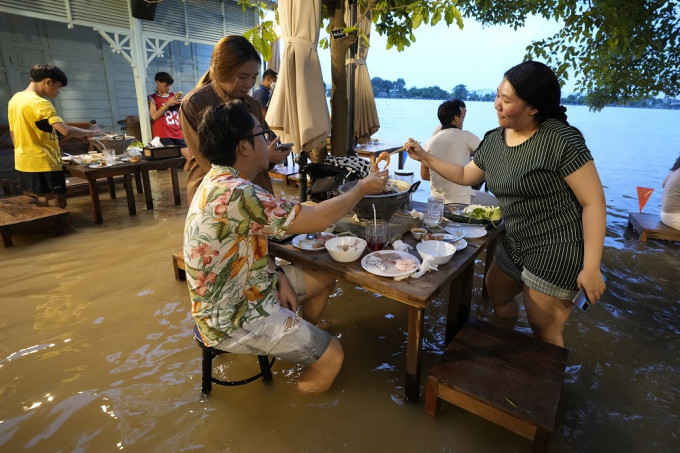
[{"x": 97, "y": 354}]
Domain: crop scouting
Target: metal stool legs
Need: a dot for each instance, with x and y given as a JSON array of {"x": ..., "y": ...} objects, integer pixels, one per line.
[{"x": 209, "y": 354}]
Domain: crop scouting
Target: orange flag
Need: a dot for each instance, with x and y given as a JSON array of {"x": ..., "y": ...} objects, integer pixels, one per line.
[{"x": 643, "y": 195}]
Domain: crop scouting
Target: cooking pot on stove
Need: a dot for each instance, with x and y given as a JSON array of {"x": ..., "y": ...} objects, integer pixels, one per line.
[{"x": 386, "y": 204}]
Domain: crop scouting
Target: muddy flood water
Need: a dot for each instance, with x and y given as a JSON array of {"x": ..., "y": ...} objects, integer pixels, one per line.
[{"x": 97, "y": 354}]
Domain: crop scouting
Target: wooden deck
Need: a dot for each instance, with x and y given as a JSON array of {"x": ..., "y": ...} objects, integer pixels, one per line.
[
  {"x": 21, "y": 212},
  {"x": 649, "y": 226}
]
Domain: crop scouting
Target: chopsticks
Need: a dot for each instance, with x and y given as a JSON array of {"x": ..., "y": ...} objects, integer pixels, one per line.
[{"x": 398, "y": 150}]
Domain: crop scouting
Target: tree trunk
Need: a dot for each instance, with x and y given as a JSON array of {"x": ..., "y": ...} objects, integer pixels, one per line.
[{"x": 339, "y": 102}]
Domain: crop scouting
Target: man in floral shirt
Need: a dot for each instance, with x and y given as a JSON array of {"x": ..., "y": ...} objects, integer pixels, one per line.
[{"x": 241, "y": 301}]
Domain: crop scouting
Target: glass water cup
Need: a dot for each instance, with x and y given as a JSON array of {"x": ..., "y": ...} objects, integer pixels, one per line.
[
  {"x": 377, "y": 235},
  {"x": 435, "y": 210},
  {"x": 110, "y": 156}
]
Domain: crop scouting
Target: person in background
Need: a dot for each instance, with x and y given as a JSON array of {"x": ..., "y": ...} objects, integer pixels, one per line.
[
  {"x": 670, "y": 200},
  {"x": 33, "y": 123},
  {"x": 451, "y": 144},
  {"x": 241, "y": 300},
  {"x": 551, "y": 198},
  {"x": 164, "y": 108},
  {"x": 264, "y": 93},
  {"x": 234, "y": 67}
]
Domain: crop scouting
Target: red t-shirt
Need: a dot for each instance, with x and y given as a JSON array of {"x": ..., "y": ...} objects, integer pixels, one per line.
[{"x": 167, "y": 126}]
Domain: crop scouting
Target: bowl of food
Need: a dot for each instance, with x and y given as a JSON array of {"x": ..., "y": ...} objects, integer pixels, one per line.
[
  {"x": 417, "y": 233},
  {"x": 345, "y": 249},
  {"x": 437, "y": 252}
]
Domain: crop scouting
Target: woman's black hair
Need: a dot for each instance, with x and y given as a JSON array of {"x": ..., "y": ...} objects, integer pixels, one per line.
[
  {"x": 41, "y": 72},
  {"x": 676, "y": 165},
  {"x": 537, "y": 85},
  {"x": 221, "y": 129}
]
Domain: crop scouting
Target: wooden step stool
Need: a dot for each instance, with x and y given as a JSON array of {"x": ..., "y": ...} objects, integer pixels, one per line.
[
  {"x": 178, "y": 266},
  {"x": 506, "y": 377},
  {"x": 650, "y": 227},
  {"x": 20, "y": 212}
]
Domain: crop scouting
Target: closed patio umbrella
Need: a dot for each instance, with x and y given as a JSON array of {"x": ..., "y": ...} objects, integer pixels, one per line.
[
  {"x": 366, "y": 121},
  {"x": 298, "y": 111}
]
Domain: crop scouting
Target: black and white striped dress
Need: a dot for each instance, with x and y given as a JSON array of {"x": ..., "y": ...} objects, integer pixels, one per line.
[{"x": 543, "y": 217}]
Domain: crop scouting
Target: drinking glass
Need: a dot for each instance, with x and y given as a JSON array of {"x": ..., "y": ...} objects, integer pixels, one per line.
[
  {"x": 435, "y": 210},
  {"x": 377, "y": 235},
  {"x": 110, "y": 156}
]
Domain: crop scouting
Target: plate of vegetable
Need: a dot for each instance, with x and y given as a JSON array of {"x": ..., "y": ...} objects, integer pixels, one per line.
[{"x": 474, "y": 213}]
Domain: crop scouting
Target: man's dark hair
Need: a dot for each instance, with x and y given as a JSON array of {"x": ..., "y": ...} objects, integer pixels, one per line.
[
  {"x": 221, "y": 128},
  {"x": 448, "y": 110},
  {"x": 41, "y": 72},
  {"x": 269, "y": 73},
  {"x": 164, "y": 77}
]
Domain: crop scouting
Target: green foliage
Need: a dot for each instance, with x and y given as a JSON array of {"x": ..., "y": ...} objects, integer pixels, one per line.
[{"x": 619, "y": 50}]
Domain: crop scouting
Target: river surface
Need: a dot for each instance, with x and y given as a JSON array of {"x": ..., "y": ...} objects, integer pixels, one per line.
[{"x": 97, "y": 353}]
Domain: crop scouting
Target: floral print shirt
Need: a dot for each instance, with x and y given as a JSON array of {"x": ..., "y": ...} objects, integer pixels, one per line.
[{"x": 226, "y": 255}]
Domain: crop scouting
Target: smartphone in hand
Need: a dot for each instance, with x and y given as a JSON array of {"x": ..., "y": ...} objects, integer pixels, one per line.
[
  {"x": 581, "y": 300},
  {"x": 283, "y": 146}
]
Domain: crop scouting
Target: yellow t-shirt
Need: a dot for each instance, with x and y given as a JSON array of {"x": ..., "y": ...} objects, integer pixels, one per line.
[{"x": 34, "y": 149}]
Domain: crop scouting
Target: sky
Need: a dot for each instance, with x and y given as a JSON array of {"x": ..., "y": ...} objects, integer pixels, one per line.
[{"x": 447, "y": 56}]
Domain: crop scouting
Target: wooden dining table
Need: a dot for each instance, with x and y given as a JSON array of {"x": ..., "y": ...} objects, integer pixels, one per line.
[
  {"x": 126, "y": 170},
  {"x": 372, "y": 150},
  {"x": 416, "y": 294}
]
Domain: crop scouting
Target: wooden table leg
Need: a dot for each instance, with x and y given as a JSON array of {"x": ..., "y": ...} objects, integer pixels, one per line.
[
  {"x": 94, "y": 199},
  {"x": 175, "y": 185},
  {"x": 112, "y": 187},
  {"x": 138, "y": 182},
  {"x": 460, "y": 295},
  {"x": 147, "y": 189},
  {"x": 414, "y": 350},
  {"x": 488, "y": 259},
  {"x": 7, "y": 237},
  {"x": 129, "y": 191}
]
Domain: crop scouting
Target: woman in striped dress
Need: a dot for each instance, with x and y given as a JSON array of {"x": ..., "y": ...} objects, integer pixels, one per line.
[{"x": 550, "y": 196}]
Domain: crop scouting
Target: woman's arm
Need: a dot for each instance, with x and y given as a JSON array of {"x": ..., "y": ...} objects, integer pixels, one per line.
[
  {"x": 464, "y": 176},
  {"x": 586, "y": 185}
]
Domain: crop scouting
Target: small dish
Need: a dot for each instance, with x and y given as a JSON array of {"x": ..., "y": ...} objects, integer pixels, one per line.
[{"x": 417, "y": 233}]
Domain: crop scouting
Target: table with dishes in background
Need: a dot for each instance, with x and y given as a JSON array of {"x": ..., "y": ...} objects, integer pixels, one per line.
[
  {"x": 107, "y": 164},
  {"x": 451, "y": 247}
]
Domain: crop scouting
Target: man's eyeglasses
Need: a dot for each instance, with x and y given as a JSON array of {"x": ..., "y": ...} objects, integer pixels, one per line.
[{"x": 268, "y": 135}]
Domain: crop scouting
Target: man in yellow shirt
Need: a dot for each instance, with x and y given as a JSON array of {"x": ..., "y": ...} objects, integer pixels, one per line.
[{"x": 33, "y": 123}]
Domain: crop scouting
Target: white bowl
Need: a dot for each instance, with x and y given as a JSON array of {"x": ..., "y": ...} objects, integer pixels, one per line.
[
  {"x": 437, "y": 252},
  {"x": 345, "y": 249}
]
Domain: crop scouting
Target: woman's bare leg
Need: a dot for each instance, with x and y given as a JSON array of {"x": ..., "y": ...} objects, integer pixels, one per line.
[
  {"x": 502, "y": 290},
  {"x": 547, "y": 315},
  {"x": 320, "y": 376}
]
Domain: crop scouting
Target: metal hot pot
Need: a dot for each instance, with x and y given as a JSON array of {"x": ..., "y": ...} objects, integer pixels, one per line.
[{"x": 386, "y": 204}]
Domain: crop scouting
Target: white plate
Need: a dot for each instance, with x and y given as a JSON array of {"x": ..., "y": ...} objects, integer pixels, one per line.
[
  {"x": 460, "y": 244},
  {"x": 300, "y": 241},
  {"x": 390, "y": 271},
  {"x": 95, "y": 165},
  {"x": 125, "y": 159},
  {"x": 474, "y": 232}
]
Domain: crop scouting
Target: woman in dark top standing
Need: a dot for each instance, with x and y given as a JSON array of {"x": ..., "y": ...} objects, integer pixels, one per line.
[
  {"x": 234, "y": 68},
  {"x": 550, "y": 196}
]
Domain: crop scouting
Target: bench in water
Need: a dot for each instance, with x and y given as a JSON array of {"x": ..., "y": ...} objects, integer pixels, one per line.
[
  {"x": 18, "y": 213},
  {"x": 506, "y": 377},
  {"x": 649, "y": 226}
]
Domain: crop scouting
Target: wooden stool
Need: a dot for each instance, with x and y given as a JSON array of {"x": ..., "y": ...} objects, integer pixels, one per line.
[
  {"x": 178, "y": 266},
  {"x": 209, "y": 354},
  {"x": 650, "y": 227},
  {"x": 20, "y": 212},
  {"x": 511, "y": 379}
]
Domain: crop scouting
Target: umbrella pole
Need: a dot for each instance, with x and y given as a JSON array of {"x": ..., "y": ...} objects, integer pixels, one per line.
[
  {"x": 351, "y": 70},
  {"x": 302, "y": 163}
]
